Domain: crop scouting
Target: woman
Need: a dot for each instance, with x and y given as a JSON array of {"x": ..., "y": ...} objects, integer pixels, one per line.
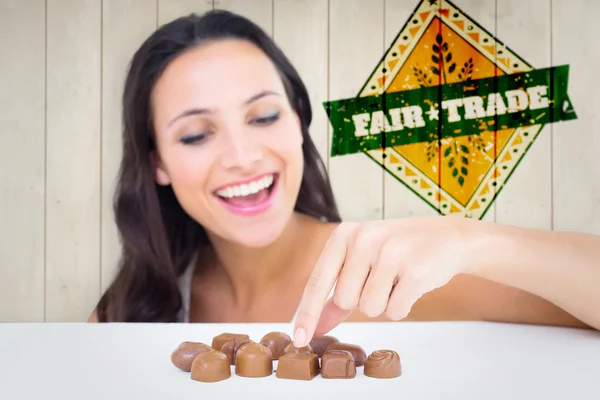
[{"x": 226, "y": 213}]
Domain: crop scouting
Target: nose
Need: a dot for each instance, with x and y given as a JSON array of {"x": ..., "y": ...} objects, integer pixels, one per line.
[{"x": 240, "y": 150}]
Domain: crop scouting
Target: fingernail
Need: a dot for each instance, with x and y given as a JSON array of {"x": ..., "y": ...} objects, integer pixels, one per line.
[{"x": 299, "y": 337}]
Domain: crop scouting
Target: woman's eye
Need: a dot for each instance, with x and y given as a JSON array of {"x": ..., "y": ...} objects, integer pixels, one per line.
[
  {"x": 267, "y": 119},
  {"x": 191, "y": 139}
]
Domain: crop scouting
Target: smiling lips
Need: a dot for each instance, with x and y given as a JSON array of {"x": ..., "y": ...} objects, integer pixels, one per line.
[{"x": 249, "y": 198}]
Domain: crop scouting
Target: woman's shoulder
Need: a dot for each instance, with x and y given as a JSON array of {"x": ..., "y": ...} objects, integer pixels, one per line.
[
  {"x": 94, "y": 316},
  {"x": 314, "y": 224}
]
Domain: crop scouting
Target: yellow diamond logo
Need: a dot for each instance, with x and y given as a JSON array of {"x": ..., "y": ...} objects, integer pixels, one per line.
[{"x": 449, "y": 111}]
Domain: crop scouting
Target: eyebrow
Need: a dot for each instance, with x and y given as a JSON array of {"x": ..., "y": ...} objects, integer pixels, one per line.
[{"x": 200, "y": 111}]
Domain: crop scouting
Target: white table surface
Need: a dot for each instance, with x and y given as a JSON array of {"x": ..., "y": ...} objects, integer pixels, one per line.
[{"x": 440, "y": 360}]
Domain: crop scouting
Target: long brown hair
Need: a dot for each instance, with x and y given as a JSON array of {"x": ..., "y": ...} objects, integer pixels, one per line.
[{"x": 159, "y": 239}]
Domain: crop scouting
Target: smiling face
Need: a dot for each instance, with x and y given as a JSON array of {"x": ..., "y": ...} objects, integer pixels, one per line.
[{"x": 228, "y": 141}]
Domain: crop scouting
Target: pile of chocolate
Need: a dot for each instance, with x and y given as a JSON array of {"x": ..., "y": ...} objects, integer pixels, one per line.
[{"x": 324, "y": 355}]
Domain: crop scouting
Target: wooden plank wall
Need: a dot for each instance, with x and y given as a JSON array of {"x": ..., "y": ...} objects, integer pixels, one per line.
[{"x": 61, "y": 75}]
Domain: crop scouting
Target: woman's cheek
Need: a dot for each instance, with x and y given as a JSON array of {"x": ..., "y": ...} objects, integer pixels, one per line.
[
  {"x": 189, "y": 167},
  {"x": 287, "y": 139}
]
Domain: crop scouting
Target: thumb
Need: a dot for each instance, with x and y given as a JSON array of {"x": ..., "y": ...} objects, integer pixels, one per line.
[{"x": 331, "y": 317}]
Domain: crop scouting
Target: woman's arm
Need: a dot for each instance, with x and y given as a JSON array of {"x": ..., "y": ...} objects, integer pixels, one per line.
[
  {"x": 560, "y": 267},
  {"x": 452, "y": 268}
]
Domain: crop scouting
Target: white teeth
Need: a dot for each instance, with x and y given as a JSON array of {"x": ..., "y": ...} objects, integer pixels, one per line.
[{"x": 247, "y": 188}]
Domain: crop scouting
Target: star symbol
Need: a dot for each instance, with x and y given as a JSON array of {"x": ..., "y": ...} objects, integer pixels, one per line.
[{"x": 433, "y": 113}]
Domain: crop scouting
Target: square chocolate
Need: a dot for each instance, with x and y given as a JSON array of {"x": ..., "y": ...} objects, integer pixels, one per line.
[
  {"x": 338, "y": 364},
  {"x": 298, "y": 366},
  {"x": 219, "y": 340}
]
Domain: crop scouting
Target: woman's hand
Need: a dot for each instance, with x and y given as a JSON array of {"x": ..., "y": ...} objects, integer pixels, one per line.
[
  {"x": 381, "y": 267},
  {"x": 384, "y": 267}
]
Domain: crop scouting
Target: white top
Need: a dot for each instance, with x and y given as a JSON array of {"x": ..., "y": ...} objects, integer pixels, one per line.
[
  {"x": 185, "y": 286},
  {"x": 451, "y": 360}
]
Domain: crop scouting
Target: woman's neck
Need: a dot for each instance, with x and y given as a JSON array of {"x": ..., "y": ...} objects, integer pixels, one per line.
[{"x": 250, "y": 273}]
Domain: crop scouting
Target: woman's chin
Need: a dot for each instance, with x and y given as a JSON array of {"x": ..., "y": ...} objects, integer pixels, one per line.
[
  {"x": 250, "y": 236},
  {"x": 256, "y": 238},
  {"x": 255, "y": 244}
]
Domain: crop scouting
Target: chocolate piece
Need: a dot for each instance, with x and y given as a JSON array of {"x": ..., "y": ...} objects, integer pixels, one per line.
[
  {"x": 290, "y": 348},
  {"x": 231, "y": 347},
  {"x": 183, "y": 356},
  {"x": 358, "y": 353},
  {"x": 319, "y": 343},
  {"x": 383, "y": 364},
  {"x": 219, "y": 340},
  {"x": 338, "y": 364},
  {"x": 211, "y": 366},
  {"x": 298, "y": 366},
  {"x": 253, "y": 360},
  {"x": 277, "y": 342}
]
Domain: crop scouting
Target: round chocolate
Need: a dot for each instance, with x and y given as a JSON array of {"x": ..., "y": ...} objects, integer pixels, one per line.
[
  {"x": 276, "y": 342},
  {"x": 183, "y": 356},
  {"x": 231, "y": 347},
  {"x": 254, "y": 360},
  {"x": 319, "y": 343},
  {"x": 290, "y": 348},
  {"x": 211, "y": 366},
  {"x": 358, "y": 353},
  {"x": 383, "y": 364},
  {"x": 338, "y": 364}
]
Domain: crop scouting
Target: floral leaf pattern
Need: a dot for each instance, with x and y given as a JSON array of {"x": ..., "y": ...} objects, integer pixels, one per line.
[{"x": 443, "y": 65}]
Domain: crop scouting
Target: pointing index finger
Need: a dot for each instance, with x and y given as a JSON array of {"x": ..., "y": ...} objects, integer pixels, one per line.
[{"x": 319, "y": 286}]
